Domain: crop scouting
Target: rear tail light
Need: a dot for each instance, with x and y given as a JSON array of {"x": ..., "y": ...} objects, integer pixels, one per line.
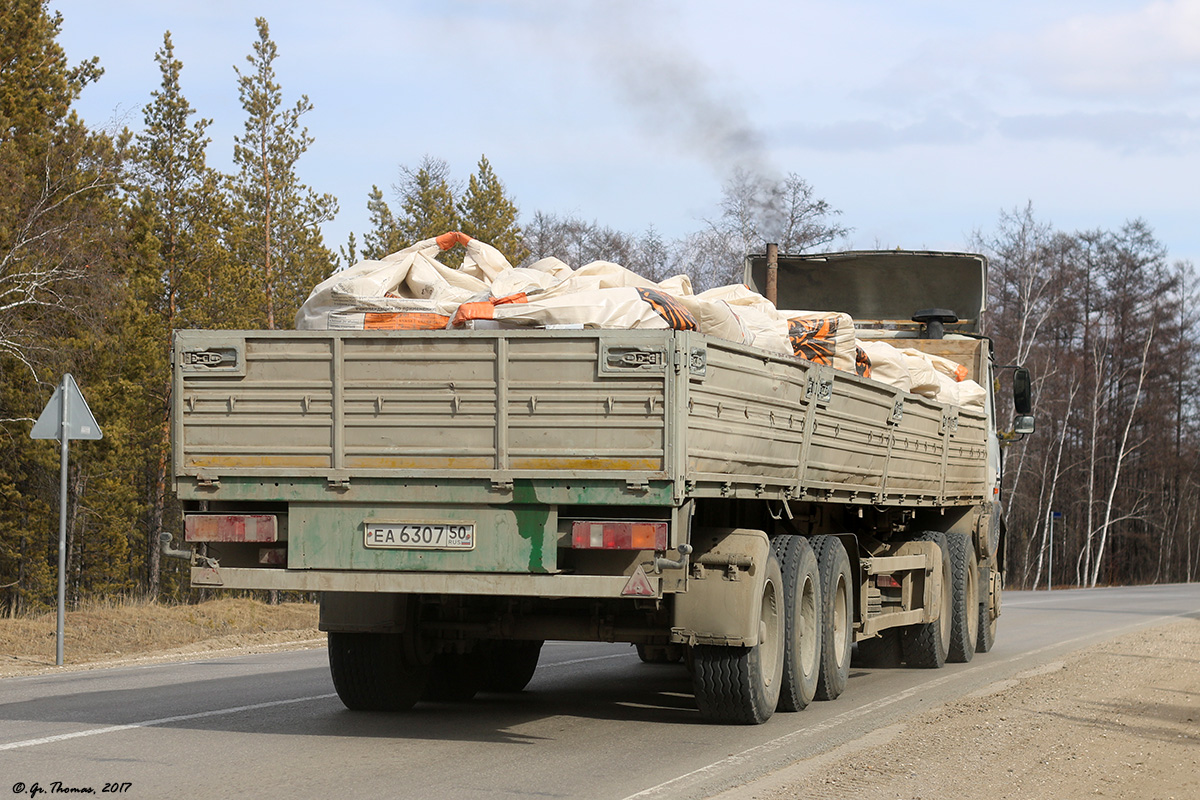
[
  {"x": 230, "y": 528},
  {"x": 619, "y": 535},
  {"x": 886, "y": 582}
]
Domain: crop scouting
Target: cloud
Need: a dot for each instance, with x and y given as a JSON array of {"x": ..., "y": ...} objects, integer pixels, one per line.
[
  {"x": 1122, "y": 130},
  {"x": 934, "y": 129},
  {"x": 1150, "y": 52}
]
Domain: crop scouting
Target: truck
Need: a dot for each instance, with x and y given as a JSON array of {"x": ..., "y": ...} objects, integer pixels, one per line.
[{"x": 458, "y": 497}]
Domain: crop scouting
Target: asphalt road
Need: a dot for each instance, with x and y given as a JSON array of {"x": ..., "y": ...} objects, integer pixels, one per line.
[{"x": 594, "y": 723}]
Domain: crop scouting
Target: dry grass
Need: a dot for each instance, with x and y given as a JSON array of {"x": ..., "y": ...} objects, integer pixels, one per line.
[{"x": 115, "y": 631}]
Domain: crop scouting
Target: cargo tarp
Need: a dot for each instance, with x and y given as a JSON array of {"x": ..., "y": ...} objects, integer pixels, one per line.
[{"x": 411, "y": 289}]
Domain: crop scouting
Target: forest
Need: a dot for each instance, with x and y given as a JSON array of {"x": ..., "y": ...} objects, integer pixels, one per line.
[{"x": 110, "y": 241}]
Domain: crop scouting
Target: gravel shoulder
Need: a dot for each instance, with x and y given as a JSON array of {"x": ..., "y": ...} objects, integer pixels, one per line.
[{"x": 1119, "y": 719}]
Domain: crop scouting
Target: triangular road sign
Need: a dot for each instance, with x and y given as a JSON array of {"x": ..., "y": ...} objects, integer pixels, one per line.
[{"x": 80, "y": 424}]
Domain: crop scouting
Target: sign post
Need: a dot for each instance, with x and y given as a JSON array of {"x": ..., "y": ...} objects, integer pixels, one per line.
[{"x": 65, "y": 417}]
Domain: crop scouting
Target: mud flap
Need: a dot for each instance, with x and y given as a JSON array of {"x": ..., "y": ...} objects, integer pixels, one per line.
[{"x": 723, "y": 598}]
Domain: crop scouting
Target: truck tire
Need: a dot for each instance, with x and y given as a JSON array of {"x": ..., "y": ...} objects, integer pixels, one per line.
[
  {"x": 925, "y": 644},
  {"x": 740, "y": 685},
  {"x": 509, "y": 664},
  {"x": 454, "y": 677},
  {"x": 964, "y": 572},
  {"x": 802, "y": 621},
  {"x": 837, "y": 616},
  {"x": 881, "y": 651},
  {"x": 987, "y": 621},
  {"x": 376, "y": 671}
]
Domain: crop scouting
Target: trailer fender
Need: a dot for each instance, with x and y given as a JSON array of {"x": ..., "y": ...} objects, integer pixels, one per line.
[{"x": 724, "y": 593}]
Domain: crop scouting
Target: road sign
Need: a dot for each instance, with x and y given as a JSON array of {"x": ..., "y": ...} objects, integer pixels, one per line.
[
  {"x": 78, "y": 421},
  {"x": 65, "y": 417}
]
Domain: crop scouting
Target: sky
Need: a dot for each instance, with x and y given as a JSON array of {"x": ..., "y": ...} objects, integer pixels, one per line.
[{"x": 920, "y": 122}]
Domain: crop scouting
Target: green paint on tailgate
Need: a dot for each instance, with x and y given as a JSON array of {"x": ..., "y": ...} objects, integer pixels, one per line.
[
  {"x": 508, "y": 538},
  {"x": 533, "y": 522}
]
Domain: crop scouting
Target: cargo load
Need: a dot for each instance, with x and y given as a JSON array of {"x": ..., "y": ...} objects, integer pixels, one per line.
[{"x": 412, "y": 290}]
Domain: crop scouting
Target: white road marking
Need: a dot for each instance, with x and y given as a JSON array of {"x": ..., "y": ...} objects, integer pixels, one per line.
[
  {"x": 582, "y": 660},
  {"x": 672, "y": 787},
  {"x": 62, "y": 737}
]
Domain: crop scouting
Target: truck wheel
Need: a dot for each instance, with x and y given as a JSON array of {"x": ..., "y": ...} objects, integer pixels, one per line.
[
  {"x": 454, "y": 677},
  {"x": 660, "y": 653},
  {"x": 376, "y": 671},
  {"x": 987, "y": 620},
  {"x": 802, "y": 613},
  {"x": 740, "y": 685},
  {"x": 509, "y": 665},
  {"x": 964, "y": 624},
  {"x": 925, "y": 644},
  {"x": 882, "y": 651},
  {"x": 837, "y": 616}
]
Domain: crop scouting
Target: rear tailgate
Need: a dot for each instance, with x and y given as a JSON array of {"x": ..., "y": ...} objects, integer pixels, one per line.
[
  {"x": 343, "y": 405},
  {"x": 356, "y": 437}
]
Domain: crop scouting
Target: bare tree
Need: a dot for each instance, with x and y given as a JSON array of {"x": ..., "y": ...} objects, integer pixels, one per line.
[
  {"x": 757, "y": 210},
  {"x": 1123, "y": 451},
  {"x": 45, "y": 259},
  {"x": 1045, "y": 552},
  {"x": 577, "y": 241}
]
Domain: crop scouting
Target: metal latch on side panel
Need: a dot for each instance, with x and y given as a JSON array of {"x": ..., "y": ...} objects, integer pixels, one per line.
[
  {"x": 949, "y": 421},
  {"x": 897, "y": 412},
  {"x": 819, "y": 386},
  {"x": 620, "y": 359},
  {"x": 698, "y": 362},
  {"x": 218, "y": 355}
]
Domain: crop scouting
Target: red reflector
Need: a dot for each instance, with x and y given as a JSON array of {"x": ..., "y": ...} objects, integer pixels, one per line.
[
  {"x": 230, "y": 528},
  {"x": 619, "y": 535},
  {"x": 886, "y": 582},
  {"x": 272, "y": 555},
  {"x": 638, "y": 585}
]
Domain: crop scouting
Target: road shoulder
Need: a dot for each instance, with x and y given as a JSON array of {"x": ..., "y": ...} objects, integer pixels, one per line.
[{"x": 1117, "y": 719}]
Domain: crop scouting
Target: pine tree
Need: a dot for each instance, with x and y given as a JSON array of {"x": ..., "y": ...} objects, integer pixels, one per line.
[
  {"x": 172, "y": 178},
  {"x": 51, "y": 169},
  {"x": 174, "y": 254},
  {"x": 489, "y": 215},
  {"x": 277, "y": 218},
  {"x": 426, "y": 201},
  {"x": 385, "y": 236},
  {"x": 37, "y": 87},
  {"x": 58, "y": 220}
]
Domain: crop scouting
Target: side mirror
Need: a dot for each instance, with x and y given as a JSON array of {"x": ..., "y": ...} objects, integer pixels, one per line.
[
  {"x": 1023, "y": 424},
  {"x": 1022, "y": 391}
]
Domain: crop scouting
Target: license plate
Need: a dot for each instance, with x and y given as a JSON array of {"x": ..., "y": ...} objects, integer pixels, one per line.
[{"x": 420, "y": 535}]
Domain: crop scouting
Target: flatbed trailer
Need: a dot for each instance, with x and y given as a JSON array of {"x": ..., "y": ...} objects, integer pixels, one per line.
[{"x": 457, "y": 497}]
